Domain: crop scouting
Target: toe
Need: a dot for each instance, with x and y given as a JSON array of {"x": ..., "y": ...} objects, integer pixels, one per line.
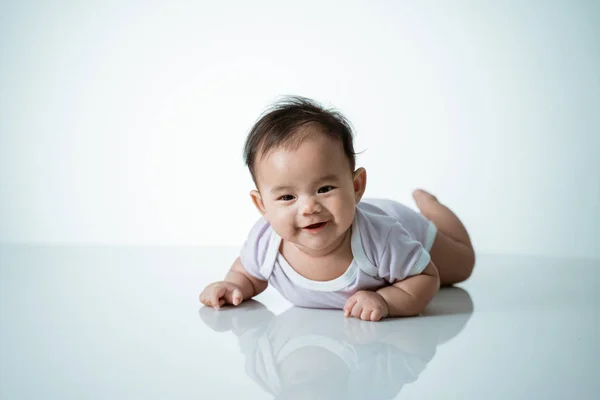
[{"x": 421, "y": 195}]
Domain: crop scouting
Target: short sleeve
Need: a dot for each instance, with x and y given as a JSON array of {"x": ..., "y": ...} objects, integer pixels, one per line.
[
  {"x": 403, "y": 256},
  {"x": 254, "y": 250}
]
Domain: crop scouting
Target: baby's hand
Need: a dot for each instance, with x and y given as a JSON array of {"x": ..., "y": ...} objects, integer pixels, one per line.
[
  {"x": 366, "y": 305},
  {"x": 218, "y": 293}
]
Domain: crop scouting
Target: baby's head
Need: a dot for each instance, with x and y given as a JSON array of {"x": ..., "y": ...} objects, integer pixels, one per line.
[{"x": 301, "y": 158}]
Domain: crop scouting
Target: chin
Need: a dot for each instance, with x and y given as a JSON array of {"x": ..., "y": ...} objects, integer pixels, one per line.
[{"x": 317, "y": 245}]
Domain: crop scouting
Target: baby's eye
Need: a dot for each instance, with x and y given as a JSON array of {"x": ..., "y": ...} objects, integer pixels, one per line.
[
  {"x": 326, "y": 189},
  {"x": 286, "y": 197}
]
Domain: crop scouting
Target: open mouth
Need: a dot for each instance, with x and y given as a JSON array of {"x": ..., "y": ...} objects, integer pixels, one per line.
[{"x": 315, "y": 226}]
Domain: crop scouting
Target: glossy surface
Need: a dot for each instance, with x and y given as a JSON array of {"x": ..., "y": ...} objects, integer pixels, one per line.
[{"x": 125, "y": 322}]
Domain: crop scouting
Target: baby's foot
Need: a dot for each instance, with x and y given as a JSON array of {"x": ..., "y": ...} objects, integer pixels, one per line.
[{"x": 422, "y": 197}]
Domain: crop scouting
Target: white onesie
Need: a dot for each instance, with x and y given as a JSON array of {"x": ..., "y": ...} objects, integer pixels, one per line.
[{"x": 390, "y": 242}]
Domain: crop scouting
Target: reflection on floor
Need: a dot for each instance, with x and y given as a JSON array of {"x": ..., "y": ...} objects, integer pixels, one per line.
[
  {"x": 125, "y": 323},
  {"x": 311, "y": 354}
]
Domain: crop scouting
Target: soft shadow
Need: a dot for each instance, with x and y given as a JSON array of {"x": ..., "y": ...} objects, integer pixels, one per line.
[
  {"x": 319, "y": 354},
  {"x": 455, "y": 305}
]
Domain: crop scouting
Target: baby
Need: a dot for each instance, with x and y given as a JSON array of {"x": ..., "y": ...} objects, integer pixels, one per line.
[{"x": 319, "y": 243}]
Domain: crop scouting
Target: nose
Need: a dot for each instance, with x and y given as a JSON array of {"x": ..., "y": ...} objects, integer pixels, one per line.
[{"x": 311, "y": 206}]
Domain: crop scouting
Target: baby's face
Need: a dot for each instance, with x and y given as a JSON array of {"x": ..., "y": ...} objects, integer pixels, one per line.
[{"x": 308, "y": 194}]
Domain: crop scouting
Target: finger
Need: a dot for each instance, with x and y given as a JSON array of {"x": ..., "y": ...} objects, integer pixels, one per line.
[
  {"x": 228, "y": 295},
  {"x": 205, "y": 299},
  {"x": 376, "y": 315},
  {"x": 349, "y": 305},
  {"x": 357, "y": 310},
  {"x": 233, "y": 296},
  {"x": 365, "y": 315},
  {"x": 237, "y": 297},
  {"x": 216, "y": 296},
  {"x": 221, "y": 302}
]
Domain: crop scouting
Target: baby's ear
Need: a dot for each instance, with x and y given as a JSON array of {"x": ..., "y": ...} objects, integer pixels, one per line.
[
  {"x": 360, "y": 183},
  {"x": 258, "y": 202}
]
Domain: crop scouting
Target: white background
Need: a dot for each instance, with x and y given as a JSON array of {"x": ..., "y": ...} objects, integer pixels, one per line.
[{"x": 124, "y": 123}]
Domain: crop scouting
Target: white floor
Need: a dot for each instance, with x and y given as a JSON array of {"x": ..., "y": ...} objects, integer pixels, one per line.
[{"x": 125, "y": 323}]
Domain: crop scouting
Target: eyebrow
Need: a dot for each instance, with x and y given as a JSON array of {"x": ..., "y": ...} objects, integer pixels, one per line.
[{"x": 330, "y": 177}]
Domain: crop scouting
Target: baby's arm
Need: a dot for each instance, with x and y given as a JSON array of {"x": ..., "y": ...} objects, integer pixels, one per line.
[
  {"x": 249, "y": 285},
  {"x": 410, "y": 296},
  {"x": 238, "y": 286}
]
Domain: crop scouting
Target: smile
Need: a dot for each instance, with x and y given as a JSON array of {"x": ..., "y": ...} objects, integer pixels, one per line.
[{"x": 315, "y": 227}]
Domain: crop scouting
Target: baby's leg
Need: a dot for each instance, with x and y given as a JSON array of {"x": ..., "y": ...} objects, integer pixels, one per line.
[{"x": 452, "y": 251}]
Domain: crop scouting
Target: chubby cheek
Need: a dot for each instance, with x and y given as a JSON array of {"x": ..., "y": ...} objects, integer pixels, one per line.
[
  {"x": 282, "y": 222},
  {"x": 343, "y": 209}
]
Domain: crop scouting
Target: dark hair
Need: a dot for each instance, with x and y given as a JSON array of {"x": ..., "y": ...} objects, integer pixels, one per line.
[{"x": 280, "y": 124}]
